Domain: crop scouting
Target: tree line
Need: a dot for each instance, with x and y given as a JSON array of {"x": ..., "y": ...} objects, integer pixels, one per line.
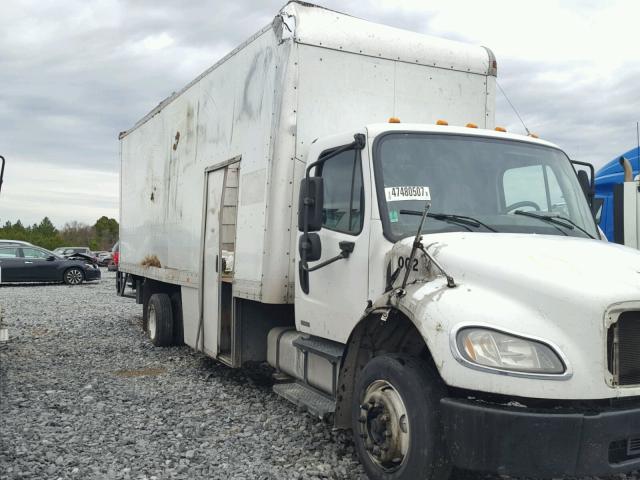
[{"x": 100, "y": 236}]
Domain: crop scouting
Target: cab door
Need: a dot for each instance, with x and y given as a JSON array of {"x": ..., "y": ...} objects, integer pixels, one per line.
[{"x": 337, "y": 293}]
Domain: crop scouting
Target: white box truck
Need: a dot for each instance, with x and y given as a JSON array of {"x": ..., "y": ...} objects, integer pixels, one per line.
[{"x": 440, "y": 289}]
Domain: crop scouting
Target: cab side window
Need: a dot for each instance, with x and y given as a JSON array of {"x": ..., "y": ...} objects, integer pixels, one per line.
[
  {"x": 343, "y": 209},
  {"x": 535, "y": 187}
]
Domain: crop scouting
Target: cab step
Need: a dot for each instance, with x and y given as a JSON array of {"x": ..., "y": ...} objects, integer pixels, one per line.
[
  {"x": 332, "y": 351},
  {"x": 307, "y": 398}
]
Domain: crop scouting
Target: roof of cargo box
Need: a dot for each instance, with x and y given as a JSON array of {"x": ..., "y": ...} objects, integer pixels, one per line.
[
  {"x": 314, "y": 25},
  {"x": 310, "y": 24}
]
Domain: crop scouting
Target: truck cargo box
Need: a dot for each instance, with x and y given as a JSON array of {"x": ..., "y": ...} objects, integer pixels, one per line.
[{"x": 251, "y": 117}]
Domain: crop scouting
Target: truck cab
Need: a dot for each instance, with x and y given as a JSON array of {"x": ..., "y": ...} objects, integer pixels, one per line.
[{"x": 472, "y": 256}]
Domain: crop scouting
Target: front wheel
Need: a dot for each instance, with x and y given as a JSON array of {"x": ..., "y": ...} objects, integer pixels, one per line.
[
  {"x": 396, "y": 420},
  {"x": 73, "y": 276}
]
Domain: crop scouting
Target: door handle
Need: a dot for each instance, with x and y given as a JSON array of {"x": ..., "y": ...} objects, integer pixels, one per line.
[{"x": 216, "y": 263}]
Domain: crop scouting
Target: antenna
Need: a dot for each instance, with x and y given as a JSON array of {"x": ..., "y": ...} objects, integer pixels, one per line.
[{"x": 514, "y": 108}]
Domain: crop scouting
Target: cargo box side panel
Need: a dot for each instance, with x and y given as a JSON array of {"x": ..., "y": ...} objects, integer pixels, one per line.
[
  {"x": 226, "y": 113},
  {"x": 354, "y": 90}
]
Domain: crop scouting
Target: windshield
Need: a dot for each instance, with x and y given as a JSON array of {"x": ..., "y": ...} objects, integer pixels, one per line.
[{"x": 490, "y": 180}]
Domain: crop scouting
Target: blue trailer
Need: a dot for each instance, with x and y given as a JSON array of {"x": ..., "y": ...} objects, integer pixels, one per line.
[{"x": 607, "y": 178}]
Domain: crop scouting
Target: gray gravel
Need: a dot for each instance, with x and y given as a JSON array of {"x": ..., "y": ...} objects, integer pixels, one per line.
[{"x": 83, "y": 394}]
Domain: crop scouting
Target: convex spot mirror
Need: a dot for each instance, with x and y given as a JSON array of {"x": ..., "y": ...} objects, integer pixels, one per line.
[
  {"x": 310, "y": 204},
  {"x": 310, "y": 243}
]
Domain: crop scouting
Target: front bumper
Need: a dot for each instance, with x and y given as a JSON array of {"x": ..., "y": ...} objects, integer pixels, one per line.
[
  {"x": 522, "y": 441},
  {"x": 92, "y": 274}
]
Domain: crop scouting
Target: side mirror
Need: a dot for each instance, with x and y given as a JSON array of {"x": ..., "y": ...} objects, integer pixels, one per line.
[
  {"x": 586, "y": 182},
  {"x": 310, "y": 204},
  {"x": 310, "y": 247},
  {"x": 51, "y": 258},
  {"x": 583, "y": 178}
]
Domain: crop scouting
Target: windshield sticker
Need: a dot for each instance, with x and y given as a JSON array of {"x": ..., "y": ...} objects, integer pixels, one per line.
[
  {"x": 398, "y": 194},
  {"x": 393, "y": 216}
]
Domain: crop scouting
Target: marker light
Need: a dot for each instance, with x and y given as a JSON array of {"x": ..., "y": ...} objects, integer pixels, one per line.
[
  {"x": 500, "y": 129},
  {"x": 442, "y": 122},
  {"x": 394, "y": 120},
  {"x": 533, "y": 135},
  {"x": 472, "y": 125}
]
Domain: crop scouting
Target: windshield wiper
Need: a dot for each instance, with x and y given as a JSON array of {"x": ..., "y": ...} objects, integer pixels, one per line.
[
  {"x": 555, "y": 220},
  {"x": 451, "y": 218},
  {"x": 417, "y": 245},
  {"x": 568, "y": 220}
]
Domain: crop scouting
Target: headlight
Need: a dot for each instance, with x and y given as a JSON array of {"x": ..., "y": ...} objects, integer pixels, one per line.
[{"x": 492, "y": 349}]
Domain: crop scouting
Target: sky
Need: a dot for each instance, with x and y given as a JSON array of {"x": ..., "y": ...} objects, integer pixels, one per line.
[{"x": 74, "y": 73}]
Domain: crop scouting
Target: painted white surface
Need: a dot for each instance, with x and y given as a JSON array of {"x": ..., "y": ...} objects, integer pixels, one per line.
[
  {"x": 211, "y": 261},
  {"x": 550, "y": 287},
  {"x": 338, "y": 292},
  {"x": 631, "y": 214}
]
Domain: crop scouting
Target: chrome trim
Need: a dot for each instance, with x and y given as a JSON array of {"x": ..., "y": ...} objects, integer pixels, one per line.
[{"x": 453, "y": 344}]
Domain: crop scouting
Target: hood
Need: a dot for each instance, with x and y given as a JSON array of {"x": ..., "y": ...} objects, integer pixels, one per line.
[
  {"x": 80, "y": 256},
  {"x": 547, "y": 265}
]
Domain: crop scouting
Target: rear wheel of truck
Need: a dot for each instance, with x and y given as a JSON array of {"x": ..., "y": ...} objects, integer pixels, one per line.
[
  {"x": 396, "y": 420},
  {"x": 160, "y": 320}
]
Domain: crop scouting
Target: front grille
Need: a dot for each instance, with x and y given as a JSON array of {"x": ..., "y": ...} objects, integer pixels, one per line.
[{"x": 623, "y": 345}]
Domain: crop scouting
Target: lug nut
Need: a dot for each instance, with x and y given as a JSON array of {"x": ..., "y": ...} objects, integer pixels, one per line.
[{"x": 387, "y": 433}]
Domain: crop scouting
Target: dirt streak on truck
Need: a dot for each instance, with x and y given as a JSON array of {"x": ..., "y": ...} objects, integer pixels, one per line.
[{"x": 434, "y": 284}]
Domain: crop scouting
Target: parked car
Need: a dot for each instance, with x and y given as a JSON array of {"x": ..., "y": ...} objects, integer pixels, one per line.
[
  {"x": 104, "y": 258},
  {"x": 28, "y": 263},
  {"x": 69, "y": 251},
  {"x": 115, "y": 258}
]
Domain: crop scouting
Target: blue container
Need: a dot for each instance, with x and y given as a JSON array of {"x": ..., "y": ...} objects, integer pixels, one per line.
[{"x": 608, "y": 176}]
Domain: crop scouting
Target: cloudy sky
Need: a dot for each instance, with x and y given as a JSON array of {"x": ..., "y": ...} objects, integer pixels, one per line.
[{"x": 73, "y": 73}]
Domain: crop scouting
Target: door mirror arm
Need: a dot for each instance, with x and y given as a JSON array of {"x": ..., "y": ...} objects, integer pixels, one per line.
[{"x": 346, "y": 249}]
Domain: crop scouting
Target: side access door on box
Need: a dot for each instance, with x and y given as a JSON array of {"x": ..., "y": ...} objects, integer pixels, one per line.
[{"x": 218, "y": 250}]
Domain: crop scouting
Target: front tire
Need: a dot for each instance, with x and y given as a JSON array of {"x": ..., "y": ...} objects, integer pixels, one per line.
[
  {"x": 396, "y": 420},
  {"x": 73, "y": 276},
  {"x": 160, "y": 320}
]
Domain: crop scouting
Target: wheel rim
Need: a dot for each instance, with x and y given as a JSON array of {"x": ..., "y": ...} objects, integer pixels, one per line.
[
  {"x": 74, "y": 276},
  {"x": 151, "y": 322},
  {"x": 384, "y": 425}
]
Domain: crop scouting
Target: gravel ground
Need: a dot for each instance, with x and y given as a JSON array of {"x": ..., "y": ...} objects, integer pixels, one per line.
[{"x": 83, "y": 394}]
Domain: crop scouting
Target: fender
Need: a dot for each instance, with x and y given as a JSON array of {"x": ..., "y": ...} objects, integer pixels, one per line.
[{"x": 383, "y": 328}]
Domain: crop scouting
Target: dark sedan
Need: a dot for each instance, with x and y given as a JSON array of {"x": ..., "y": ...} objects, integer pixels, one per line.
[{"x": 21, "y": 263}]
